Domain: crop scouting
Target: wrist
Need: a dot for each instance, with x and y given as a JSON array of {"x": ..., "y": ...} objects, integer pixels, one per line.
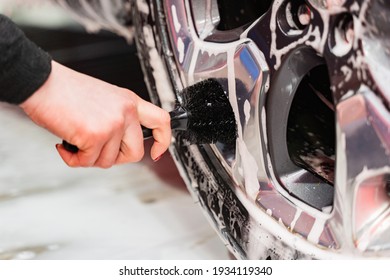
[{"x": 39, "y": 95}]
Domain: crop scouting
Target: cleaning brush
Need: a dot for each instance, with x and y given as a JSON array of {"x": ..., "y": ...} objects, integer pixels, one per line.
[{"x": 203, "y": 117}]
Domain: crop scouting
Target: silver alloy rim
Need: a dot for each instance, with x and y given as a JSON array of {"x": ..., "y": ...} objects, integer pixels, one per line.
[{"x": 347, "y": 226}]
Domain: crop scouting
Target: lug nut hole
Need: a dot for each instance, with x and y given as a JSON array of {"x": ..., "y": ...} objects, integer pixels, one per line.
[{"x": 294, "y": 17}]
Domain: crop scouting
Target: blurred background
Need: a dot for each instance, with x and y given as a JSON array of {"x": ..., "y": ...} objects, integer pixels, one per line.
[
  {"x": 101, "y": 54},
  {"x": 50, "y": 211}
]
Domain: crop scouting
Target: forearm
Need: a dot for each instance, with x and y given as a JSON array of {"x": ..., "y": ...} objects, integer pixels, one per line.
[{"x": 24, "y": 67}]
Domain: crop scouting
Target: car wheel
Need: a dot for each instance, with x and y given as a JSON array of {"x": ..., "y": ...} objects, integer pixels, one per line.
[{"x": 308, "y": 174}]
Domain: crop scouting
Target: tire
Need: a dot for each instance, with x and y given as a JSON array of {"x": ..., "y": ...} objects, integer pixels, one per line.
[{"x": 290, "y": 187}]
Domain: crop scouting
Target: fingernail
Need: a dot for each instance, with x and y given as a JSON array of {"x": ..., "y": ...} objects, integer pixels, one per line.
[
  {"x": 158, "y": 158},
  {"x": 57, "y": 145}
]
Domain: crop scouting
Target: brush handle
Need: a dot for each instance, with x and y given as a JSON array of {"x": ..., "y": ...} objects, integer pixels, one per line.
[
  {"x": 179, "y": 119},
  {"x": 146, "y": 132}
]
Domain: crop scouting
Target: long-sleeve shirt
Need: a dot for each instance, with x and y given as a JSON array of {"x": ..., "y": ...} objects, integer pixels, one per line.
[{"x": 24, "y": 67}]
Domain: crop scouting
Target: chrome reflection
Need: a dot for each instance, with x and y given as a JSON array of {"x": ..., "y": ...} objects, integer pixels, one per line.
[
  {"x": 205, "y": 16},
  {"x": 361, "y": 190},
  {"x": 376, "y": 44}
]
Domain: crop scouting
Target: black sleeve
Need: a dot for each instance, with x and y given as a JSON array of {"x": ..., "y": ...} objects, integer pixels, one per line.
[{"x": 24, "y": 67}]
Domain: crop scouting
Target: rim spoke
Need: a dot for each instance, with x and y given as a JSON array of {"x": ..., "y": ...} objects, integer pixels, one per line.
[{"x": 362, "y": 200}]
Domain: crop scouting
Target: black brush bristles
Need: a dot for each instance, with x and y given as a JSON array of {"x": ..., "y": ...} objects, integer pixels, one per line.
[{"x": 210, "y": 115}]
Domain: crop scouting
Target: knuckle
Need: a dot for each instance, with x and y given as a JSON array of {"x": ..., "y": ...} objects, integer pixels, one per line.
[
  {"x": 118, "y": 124},
  {"x": 98, "y": 135},
  {"x": 130, "y": 105},
  {"x": 89, "y": 133}
]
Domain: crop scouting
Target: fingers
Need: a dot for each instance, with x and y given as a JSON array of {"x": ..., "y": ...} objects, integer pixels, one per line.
[
  {"x": 83, "y": 158},
  {"x": 121, "y": 148},
  {"x": 132, "y": 145},
  {"x": 109, "y": 152},
  {"x": 159, "y": 120}
]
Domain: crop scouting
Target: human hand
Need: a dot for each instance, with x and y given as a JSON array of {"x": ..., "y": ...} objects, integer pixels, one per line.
[{"x": 101, "y": 119}]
